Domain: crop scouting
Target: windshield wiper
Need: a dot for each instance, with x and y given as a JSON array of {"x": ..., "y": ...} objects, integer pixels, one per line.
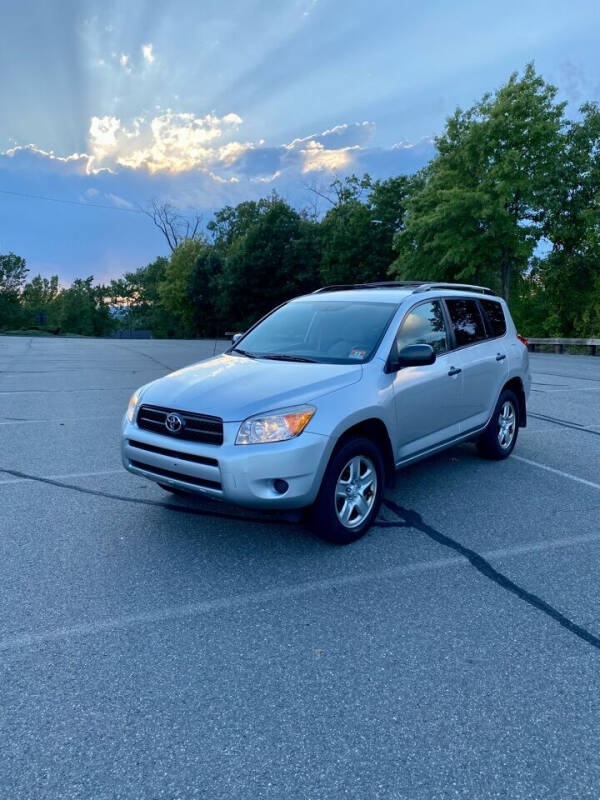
[
  {"x": 285, "y": 357},
  {"x": 242, "y": 352}
]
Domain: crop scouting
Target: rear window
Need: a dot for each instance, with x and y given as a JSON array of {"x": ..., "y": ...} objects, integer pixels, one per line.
[
  {"x": 466, "y": 321},
  {"x": 495, "y": 315}
]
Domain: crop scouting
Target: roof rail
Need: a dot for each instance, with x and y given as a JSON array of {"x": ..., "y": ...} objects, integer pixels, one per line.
[
  {"x": 428, "y": 287},
  {"x": 416, "y": 286},
  {"x": 375, "y": 285}
]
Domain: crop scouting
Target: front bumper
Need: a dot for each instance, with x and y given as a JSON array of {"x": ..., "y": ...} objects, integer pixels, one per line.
[{"x": 240, "y": 474}]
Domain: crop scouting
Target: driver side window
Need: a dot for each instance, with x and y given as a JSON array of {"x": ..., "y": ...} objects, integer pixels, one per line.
[{"x": 425, "y": 324}]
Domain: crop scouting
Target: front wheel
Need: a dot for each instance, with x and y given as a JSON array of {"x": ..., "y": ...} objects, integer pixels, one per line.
[
  {"x": 350, "y": 493},
  {"x": 499, "y": 438}
]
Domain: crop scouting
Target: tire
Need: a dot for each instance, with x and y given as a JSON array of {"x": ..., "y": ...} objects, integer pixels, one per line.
[
  {"x": 175, "y": 490},
  {"x": 359, "y": 464},
  {"x": 499, "y": 438}
]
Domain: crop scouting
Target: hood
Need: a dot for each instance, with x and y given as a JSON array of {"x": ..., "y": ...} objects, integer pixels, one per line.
[{"x": 235, "y": 387}]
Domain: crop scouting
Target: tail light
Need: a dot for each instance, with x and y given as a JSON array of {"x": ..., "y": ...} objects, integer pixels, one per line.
[{"x": 523, "y": 340}]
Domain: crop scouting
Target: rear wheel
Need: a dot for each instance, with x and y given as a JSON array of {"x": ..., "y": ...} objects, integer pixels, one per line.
[
  {"x": 499, "y": 438},
  {"x": 175, "y": 490},
  {"x": 350, "y": 493}
]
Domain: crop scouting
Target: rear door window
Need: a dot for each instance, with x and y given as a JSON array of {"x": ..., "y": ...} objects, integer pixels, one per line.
[
  {"x": 467, "y": 322},
  {"x": 495, "y": 315}
]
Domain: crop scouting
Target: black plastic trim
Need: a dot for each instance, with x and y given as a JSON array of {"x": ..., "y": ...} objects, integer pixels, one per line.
[
  {"x": 162, "y": 451},
  {"x": 167, "y": 473}
]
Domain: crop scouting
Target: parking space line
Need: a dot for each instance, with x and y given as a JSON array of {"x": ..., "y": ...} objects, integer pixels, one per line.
[
  {"x": 412, "y": 519},
  {"x": 57, "y": 420},
  {"x": 560, "y": 472},
  {"x": 187, "y": 610},
  {"x": 67, "y": 475}
]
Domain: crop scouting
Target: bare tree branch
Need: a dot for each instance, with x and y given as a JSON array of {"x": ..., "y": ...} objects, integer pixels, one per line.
[
  {"x": 319, "y": 193},
  {"x": 175, "y": 227}
]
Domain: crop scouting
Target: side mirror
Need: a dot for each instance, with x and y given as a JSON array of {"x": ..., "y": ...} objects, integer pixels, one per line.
[
  {"x": 413, "y": 355},
  {"x": 236, "y": 337}
]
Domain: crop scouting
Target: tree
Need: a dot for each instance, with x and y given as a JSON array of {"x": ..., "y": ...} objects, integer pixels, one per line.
[
  {"x": 13, "y": 272},
  {"x": 83, "y": 309},
  {"x": 205, "y": 291},
  {"x": 232, "y": 222},
  {"x": 39, "y": 301},
  {"x": 175, "y": 289},
  {"x": 174, "y": 226},
  {"x": 357, "y": 233},
  {"x": 570, "y": 274},
  {"x": 479, "y": 214},
  {"x": 137, "y": 293},
  {"x": 275, "y": 259}
]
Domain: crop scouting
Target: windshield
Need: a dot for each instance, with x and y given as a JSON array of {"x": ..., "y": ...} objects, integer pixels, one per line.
[{"x": 336, "y": 332}]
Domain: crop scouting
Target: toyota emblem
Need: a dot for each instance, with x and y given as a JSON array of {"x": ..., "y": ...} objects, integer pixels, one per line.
[{"x": 174, "y": 423}]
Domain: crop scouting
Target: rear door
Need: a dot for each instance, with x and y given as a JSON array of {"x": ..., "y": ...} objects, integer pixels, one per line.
[
  {"x": 483, "y": 356},
  {"x": 428, "y": 399}
]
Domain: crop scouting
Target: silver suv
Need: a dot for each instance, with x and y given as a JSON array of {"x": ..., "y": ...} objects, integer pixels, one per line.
[{"x": 322, "y": 400}]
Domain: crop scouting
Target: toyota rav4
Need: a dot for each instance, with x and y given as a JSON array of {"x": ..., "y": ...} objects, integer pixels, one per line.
[{"x": 321, "y": 401}]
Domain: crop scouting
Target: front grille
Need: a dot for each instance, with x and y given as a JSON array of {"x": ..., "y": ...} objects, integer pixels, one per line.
[
  {"x": 167, "y": 473},
  {"x": 162, "y": 451},
  {"x": 198, "y": 427}
]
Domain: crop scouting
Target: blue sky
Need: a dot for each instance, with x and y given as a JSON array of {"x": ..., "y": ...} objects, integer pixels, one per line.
[{"x": 209, "y": 102}]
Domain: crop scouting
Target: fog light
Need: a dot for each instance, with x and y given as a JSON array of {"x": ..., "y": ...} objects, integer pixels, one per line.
[{"x": 280, "y": 486}]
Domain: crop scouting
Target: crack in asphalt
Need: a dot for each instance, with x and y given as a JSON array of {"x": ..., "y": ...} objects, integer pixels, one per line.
[
  {"x": 412, "y": 519},
  {"x": 181, "y": 509},
  {"x": 563, "y": 423},
  {"x": 407, "y": 518}
]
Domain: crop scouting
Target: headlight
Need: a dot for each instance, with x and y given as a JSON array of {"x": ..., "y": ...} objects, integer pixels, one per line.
[
  {"x": 277, "y": 427},
  {"x": 133, "y": 402}
]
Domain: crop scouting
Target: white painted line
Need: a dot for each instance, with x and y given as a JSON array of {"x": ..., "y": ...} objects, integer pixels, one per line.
[
  {"x": 276, "y": 594},
  {"x": 57, "y": 420},
  {"x": 571, "y": 389},
  {"x": 557, "y": 472},
  {"x": 67, "y": 475}
]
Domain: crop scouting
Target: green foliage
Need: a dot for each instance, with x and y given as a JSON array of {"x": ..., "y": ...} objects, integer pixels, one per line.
[
  {"x": 82, "y": 309},
  {"x": 478, "y": 216},
  {"x": 137, "y": 295},
  {"x": 357, "y": 233},
  {"x": 13, "y": 272},
  {"x": 175, "y": 289},
  {"x": 570, "y": 274},
  {"x": 39, "y": 302},
  {"x": 511, "y": 200},
  {"x": 275, "y": 259}
]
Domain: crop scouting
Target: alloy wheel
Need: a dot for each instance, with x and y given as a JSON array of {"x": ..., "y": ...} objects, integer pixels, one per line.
[{"x": 355, "y": 491}]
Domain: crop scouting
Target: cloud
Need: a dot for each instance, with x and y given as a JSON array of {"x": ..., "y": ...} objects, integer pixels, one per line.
[
  {"x": 180, "y": 142},
  {"x": 346, "y": 135},
  {"x": 29, "y": 156},
  {"x": 198, "y": 163},
  {"x": 202, "y": 161},
  {"x": 147, "y": 52},
  {"x": 169, "y": 142},
  {"x": 124, "y": 62}
]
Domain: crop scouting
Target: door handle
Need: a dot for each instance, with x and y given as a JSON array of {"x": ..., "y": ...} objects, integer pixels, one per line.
[
  {"x": 454, "y": 371},
  {"x": 500, "y": 356}
]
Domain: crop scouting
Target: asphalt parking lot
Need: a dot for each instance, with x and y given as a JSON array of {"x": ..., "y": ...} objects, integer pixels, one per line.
[{"x": 153, "y": 647}]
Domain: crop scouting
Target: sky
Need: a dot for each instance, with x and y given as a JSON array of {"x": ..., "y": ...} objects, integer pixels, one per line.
[{"x": 106, "y": 106}]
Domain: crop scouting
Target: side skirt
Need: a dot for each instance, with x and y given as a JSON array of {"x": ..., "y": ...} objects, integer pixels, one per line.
[{"x": 470, "y": 434}]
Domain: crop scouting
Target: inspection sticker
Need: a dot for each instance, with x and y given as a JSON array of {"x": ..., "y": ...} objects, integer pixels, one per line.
[{"x": 357, "y": 353}]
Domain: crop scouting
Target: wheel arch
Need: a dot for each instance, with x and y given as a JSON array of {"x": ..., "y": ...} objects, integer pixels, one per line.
[
  {"x": 516, "y": 385},
  {"x": 376, "y": 430}
]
